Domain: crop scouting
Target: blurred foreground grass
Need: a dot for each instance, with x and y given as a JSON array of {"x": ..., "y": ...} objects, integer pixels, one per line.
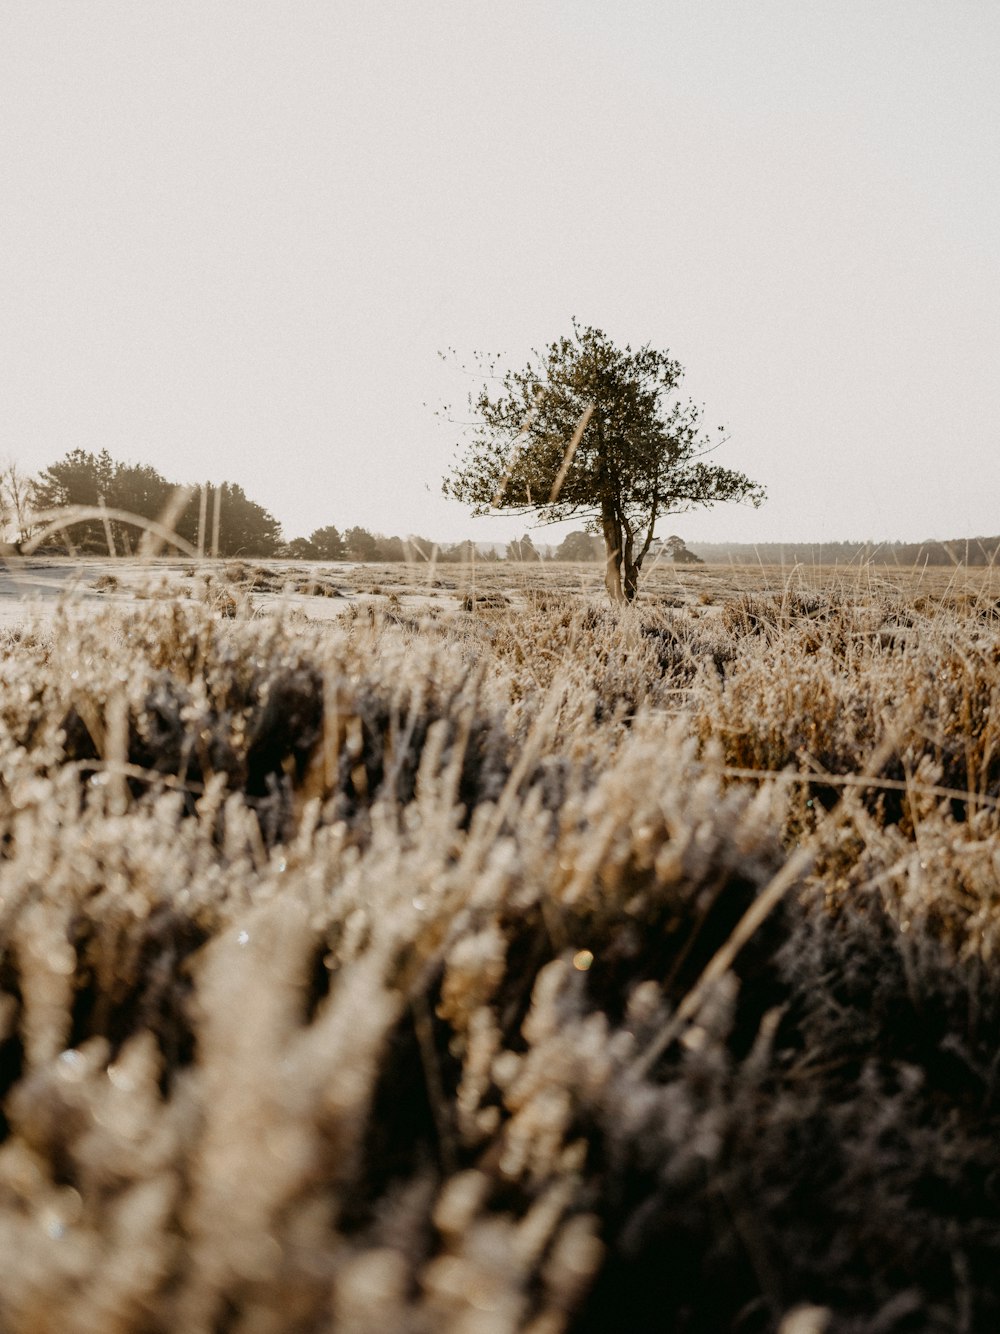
[{"x": 387, "y": 973}]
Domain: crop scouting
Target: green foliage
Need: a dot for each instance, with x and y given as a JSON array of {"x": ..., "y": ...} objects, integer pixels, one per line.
[
  {"x": 300, "y": 548},
  {"x": 244, "y": 527},
  {"x": 592, "y": 430},
  {"x": 78, "y": 479},
  {"x": 360, "y": 544},
  {"x": 579, "y": 546},
  {"x": 675, "y": 549},
  {"x": 522, "y": 548},
  {"x": 327, "y": 543},
  {"x": 390, "y": 549},
  {"x": 82, "y": 479},
  {"x": 457, "y": 553}
]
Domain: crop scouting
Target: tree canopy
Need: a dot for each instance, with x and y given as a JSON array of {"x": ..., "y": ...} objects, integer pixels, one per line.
[
  {"x": 579, "y": 546},
  {"x": 675, "y": 549},
  {"x": 592, "y": 430},
  {"x": 321, "y": 544},
  {"x": 233, "y": 524},
  {"x": 522, "y": 549},
  {"x": 361, "y": 545},
  {"x": 245, "y": 528}
]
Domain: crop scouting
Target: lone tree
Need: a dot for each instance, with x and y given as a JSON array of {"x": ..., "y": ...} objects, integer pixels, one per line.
[
  {"x": 579, "y": 546},
  {"x": 588, "y": 429},
  {"x": 675, "y": 548}
]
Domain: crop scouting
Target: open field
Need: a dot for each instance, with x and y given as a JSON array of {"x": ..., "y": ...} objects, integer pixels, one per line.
[
  {"x": 421, "y": 948},
  {"x": 308, "y": 587}
]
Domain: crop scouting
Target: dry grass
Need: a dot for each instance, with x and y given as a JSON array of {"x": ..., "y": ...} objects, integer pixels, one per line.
[{"x": 482, "y": 960}]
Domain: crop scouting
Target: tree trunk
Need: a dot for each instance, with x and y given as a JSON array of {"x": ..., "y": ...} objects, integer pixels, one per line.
[
  {"x": 630, "y": 566},
  {"x": 621, "y": 572},
  {"x": 613, "y": 550}
]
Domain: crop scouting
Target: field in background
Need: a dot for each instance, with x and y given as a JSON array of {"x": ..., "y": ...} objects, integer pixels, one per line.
[
  {"x": 424, "y": 584},
  {"x": 429, "y": 948}
]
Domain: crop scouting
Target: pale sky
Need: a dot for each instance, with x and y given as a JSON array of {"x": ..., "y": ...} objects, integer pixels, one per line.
[{"x": 234, "y": 235}]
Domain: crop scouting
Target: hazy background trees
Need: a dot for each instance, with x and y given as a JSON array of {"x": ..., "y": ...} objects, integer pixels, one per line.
[
  {"x": 970, "y": 551},
  {"x": 321, "y": 544},
  {"x": 15, "y": 503},
  {"x": 360, "y": 544},
  {"x": 522, "y": 548},
  {"x": 247, "y": 528},
  {"x": 78, "y": 479},
  {"x": 675, "y": 550},
  {"x": 580, "y": 546},
  {"x": 219, "y": 517}
]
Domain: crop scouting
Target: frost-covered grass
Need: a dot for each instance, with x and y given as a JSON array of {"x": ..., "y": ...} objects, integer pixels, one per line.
[{"x": 525, "y": 967}]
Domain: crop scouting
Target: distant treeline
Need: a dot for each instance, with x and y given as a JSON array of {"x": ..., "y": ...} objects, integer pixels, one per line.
[
  {"x": 217, "y": 518},
  {"x": 220, "y": 518},
  {"x": 973, "y": 551},
  {"x": 212, "y": 518}
]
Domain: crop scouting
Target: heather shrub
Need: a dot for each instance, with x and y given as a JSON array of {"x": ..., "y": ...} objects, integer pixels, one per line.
[{"x": 395, "y": 973}]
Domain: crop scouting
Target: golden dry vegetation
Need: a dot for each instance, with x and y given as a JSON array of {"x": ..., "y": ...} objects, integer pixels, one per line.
[{"x": 479, "y": 959}]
